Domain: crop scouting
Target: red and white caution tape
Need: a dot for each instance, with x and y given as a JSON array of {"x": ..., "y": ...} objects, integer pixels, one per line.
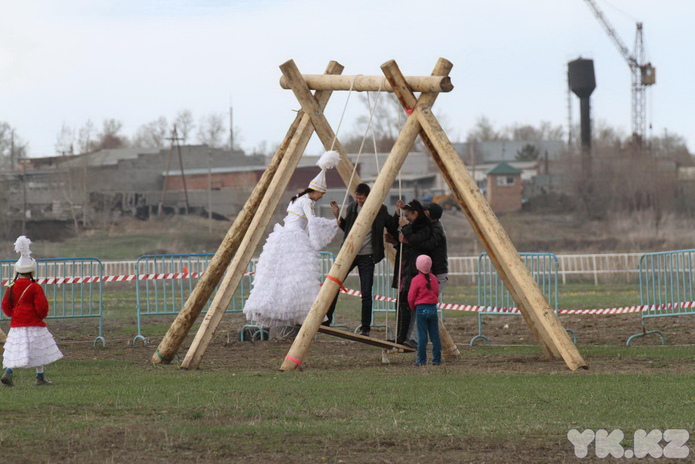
[
  {"x": 119, "y": 278},
  {"x": 506, "y": 310},
  {"x": 444, "y": 306}
]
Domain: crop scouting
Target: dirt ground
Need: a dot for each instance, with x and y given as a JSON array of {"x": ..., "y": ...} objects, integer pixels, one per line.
[{"x": 329, "y": 353}]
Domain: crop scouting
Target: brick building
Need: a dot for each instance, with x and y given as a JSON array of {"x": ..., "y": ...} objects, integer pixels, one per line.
[{"x": 504, "y": 188}]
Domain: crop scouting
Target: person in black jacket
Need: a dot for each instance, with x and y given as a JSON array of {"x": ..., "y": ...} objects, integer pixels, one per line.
[
  {"x": 370, "y": 253},
  {"x": 415, "y": 236},
  {"x": 440, "y": 260}
]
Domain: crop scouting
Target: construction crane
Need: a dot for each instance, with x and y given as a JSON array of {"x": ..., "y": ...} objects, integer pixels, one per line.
[{"x": 643, "y": 74}]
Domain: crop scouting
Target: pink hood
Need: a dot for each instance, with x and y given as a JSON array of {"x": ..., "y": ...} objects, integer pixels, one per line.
[{"x": 424, "y": 264}]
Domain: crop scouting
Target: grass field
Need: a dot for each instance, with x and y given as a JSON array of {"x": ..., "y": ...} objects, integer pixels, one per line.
[
  {"x": 502, "y": 403},
  {"x": 111, "y": 410}
]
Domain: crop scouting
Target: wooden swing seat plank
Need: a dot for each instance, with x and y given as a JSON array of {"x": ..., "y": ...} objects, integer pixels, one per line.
[{"x": 362, "y": 339}]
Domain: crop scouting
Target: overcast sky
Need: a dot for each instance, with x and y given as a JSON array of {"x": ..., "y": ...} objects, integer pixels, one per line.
[{"x": 69, "y": 61}]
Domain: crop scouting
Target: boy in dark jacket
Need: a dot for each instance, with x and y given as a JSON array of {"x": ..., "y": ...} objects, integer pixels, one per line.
[{"x": 370, "y": 253}]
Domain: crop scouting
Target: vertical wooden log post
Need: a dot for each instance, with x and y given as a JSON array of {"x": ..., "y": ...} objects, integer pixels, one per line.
[
  {"x": 355, "y": 238},
  {"x": 516, "y": 276},
  {"x": 408, "y": 101},
  {"x": 256, "y": 230},
  {"x": 179, "y": 329}
]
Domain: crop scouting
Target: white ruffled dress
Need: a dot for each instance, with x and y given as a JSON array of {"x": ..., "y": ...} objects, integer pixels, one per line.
[
  {"x": 287, "y": 278},
  {"x": 29, "y": 347}
]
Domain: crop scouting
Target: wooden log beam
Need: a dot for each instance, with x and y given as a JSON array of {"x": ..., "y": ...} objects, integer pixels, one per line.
[
  {"x": 260, "y": 218},
  {"x": 363, "y": 339},
  {"x": 449, "y": 348},
  {"x": 355, "y": 238},
  {"x": 181, "y": 326},
  {"x": 519, "y": 281},
  {"x": 429, "y": 84}
]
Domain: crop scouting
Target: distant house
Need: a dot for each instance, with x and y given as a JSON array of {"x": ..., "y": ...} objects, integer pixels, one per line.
[
  {"x": 227, "y": 188},
  {"x": 504, "y": 188}
]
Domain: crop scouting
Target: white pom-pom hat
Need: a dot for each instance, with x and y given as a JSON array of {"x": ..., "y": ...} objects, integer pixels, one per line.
[
  {"x": 328, "y": 160},
  {"x": 26, "y": 263}
]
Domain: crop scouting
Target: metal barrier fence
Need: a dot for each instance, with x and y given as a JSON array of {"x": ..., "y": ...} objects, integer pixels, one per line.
[
  {"x": 492, "y": 292},
  {"x": 383, "y": 275},
  {"x": 160, "y": 297},
  {"x": 463, "y": 270},
  {"x": 69, "y": 300},
  {"x": 666, "y": 282}
]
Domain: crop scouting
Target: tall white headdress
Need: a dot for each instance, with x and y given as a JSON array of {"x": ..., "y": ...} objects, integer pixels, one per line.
[
  {"x": 328, "y": 160},
  {"x": 26, "y": 263}
]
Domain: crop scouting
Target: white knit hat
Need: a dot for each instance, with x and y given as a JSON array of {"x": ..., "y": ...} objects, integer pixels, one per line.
[
  {"x": 328, "y": 160},
  {"x": 26, "y": 263}
]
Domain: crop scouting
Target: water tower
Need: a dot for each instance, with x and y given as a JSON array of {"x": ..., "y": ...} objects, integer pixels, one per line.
[{"x": 582, "y": 81}]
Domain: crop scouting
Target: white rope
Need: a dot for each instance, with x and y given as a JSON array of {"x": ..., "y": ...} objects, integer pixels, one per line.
[
  {"x": 342, "y": 116},
  {"x": 359, "y": 153},
  {"x": 376, "y": 151}
]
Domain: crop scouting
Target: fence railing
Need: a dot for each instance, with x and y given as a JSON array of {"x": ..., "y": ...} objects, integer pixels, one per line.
[
  {"x": 667, "y": 286},
  {"x": 493, "y": 293},
  {"x": 159, "y": 297},
  {"x": 606, "y": 267},
  {"x": 75, "y": 298}
]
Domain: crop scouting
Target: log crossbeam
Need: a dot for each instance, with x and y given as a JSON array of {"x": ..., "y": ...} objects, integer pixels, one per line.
[{"x": 359, "y": 83}]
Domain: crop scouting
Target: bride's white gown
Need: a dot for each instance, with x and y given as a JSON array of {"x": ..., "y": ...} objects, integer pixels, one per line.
[{"x": 288, "y": 273}]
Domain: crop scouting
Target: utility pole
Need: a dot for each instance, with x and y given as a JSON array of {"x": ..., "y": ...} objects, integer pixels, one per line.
[
  {"x": 231, "y": 126},
  {"x": 174, "y": 144},
  {"x": 210, "y": 191},
  {"x": 24, "y": 198}
]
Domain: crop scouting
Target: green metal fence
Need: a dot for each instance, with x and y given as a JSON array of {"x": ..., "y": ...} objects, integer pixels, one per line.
[
  {"x": 73, "y": 287},
  {"x": 493, "y": 293},
  {"x": 164, "y": 283},
  {"x": 666, "y": 286}
]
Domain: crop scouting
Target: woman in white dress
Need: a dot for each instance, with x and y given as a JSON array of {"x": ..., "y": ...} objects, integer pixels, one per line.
[{"x": 287, "y": 278}]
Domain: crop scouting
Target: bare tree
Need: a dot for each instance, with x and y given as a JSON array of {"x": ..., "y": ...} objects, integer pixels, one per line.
[
  {"x": 184, "y": 124},
  {"x": 673, "y": 147},
  {"x": 387, "y": 120},
  {"x": 110, "y": 136},
  {"x": 153, "y": 134},
  {"x": 522, "y": 133},
  {"x": 212, "y": 130},
  {"x": 65, "y": 140},
  {"x": 12, "y": 147},
  {"x": 85, "y": 135},
  {"x": 484, "y": 131}
]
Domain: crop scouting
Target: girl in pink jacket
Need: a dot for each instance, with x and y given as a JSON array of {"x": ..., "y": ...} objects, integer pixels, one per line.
[{"x": 423, "y": 297}]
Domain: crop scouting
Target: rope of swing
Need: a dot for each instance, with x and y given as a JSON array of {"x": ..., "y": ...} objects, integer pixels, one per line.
[
  {"x": 359, "y": 153},
  {"x": 342, "y": 116}
]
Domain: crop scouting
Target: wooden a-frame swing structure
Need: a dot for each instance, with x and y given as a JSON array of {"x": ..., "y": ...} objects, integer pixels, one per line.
[{"x": 245, "y": 234}]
